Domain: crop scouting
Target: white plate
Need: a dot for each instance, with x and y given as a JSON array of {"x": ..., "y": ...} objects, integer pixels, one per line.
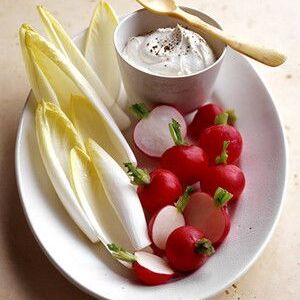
[{"x": 253, "y": 219}]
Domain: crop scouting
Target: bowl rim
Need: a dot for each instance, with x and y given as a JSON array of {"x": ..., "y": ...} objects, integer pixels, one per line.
[{"x": 145, "y": 71}]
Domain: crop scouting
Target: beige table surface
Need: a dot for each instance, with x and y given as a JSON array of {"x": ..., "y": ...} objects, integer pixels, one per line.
[{"x": 25, "y": 272}]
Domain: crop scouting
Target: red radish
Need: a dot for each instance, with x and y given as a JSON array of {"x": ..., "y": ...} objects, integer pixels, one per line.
[
  {"x": 149, "y": 268},
  {"x": 155, "y": 190},
  {"x": 209, "y": 214},
  {"x": 167, "y": 220},
  {"x": 188, "y": 248},
  {"x": 212, "y": 140},
  {"x": 151, "y": 134},
  {"x": 187, "y": 162},
  {"x": 205, "y": 117},
  {"x": 230, "y": 177}
]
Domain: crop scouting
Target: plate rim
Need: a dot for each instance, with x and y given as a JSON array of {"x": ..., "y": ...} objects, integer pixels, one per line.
[{"x": 262, "y": 247}]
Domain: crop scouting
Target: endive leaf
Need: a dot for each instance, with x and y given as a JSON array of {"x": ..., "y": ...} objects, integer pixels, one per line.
[
  {"x": 94, "y": 202},
  {"x": 99, "y": 48},
  {"x": 90, "y": 124},
  {"x": 39, "y": 83},
  {"x": 66, "y": 80},
  {"x": 121, "y": 194},
  {"x": 56, "y": 137},
  {"x": 65, "y": 44},
  {"x": 60, "y": 73}
]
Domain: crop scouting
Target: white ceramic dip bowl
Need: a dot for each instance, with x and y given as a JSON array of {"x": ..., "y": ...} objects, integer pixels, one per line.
[{"x": 186, "y": 92}]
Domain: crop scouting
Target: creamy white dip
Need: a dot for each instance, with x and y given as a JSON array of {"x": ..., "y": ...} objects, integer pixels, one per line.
[{"x": 169, "y": 51}]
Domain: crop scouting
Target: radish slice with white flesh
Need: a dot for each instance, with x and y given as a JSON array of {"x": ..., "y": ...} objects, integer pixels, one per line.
[
  {"x": 151, "y": 134},
  {"x": 149, "y": 268},
  {"x": 166, "y": 220},
  {"x": 209, "y": 214}
]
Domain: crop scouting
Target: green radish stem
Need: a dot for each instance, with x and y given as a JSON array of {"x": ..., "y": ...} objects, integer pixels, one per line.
[
  {"x": 120, "y": 253},
  {"x": 231, "y": 116},
  {"x": 175, "y": 132},
  {"x": 221, "y": 197},
  {"x": 184, "y": 199},
  {"x": 222, "y": 159},
  {"x": 204, "y": 246},
  {"x": 138, "y": 176},
  {"x": 221, "y": 119},
  {"x": 140, "y": 110},
  {"x": 227, "y": 117}
]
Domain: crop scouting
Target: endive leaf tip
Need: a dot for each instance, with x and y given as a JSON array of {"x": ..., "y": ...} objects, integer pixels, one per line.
[
  {"x": 110, "y": 10},
  {"x": 92, "y": 146},
  {"x": 40, "y": 9},
  {"x": 24, "y": 28},
  {"x": 73, "y": 152},
  {"x": 27, "y": 27},
  {"x": 43, "y": 12}
]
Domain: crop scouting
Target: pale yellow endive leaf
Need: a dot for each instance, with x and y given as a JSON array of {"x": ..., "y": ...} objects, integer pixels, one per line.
[
  {"x": 94, "y": 202},
  {"x": 56, "y": 137},
  {"x": 64, "y": 43},
  {"x": 121, "y": 194},
  {"x": 90, "y": 124},
  {"x": 99, "y": 47},
  {"x": 66, "y": 80},
  {"x": 39, "y": 83}
]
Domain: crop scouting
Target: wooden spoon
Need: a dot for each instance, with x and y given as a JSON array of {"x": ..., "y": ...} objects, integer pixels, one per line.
[{"x": 266, "y": 56}]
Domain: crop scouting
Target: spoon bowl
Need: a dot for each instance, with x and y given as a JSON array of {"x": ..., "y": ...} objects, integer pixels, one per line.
[{"x": 158, "y": 6}]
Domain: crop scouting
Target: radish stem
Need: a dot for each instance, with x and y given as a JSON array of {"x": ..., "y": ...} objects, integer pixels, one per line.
[
  {"x": 204, "y": 246},
  {"x": 175, "y": 131},
  {"x": 137, "y": 176},
  {"x": 222, "y": 119},
  {"x": 140, "y": 110},
  {"x": 120, "y": 253},
  {"x": 222, "y": 159},
  {"x": 184, "y": 199},
  {"x": 231, "y": 116},
  {"x": 221, "y": 197}
]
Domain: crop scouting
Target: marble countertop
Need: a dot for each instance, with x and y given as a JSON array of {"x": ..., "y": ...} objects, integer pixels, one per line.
[{"x": 25, "y": 271}]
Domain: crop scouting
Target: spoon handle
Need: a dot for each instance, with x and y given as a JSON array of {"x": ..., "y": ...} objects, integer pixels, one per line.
[{"x": 266, "y": 56}]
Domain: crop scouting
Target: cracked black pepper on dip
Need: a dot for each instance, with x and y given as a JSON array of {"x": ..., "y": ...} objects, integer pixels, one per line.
[{"x": 169, "y": 51}]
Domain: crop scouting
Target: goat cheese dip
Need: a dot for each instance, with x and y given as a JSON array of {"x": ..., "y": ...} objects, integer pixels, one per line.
[{"x": 170, "y": 52}]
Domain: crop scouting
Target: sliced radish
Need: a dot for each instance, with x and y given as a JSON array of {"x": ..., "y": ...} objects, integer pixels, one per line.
[
  {"x": 163, "y": 223},
  {"x": 149, "y": 268},
  {"x": 203, "y": 213},
  {"x": 166, "y": 220},
  {"x": 151, "y": 134}
]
